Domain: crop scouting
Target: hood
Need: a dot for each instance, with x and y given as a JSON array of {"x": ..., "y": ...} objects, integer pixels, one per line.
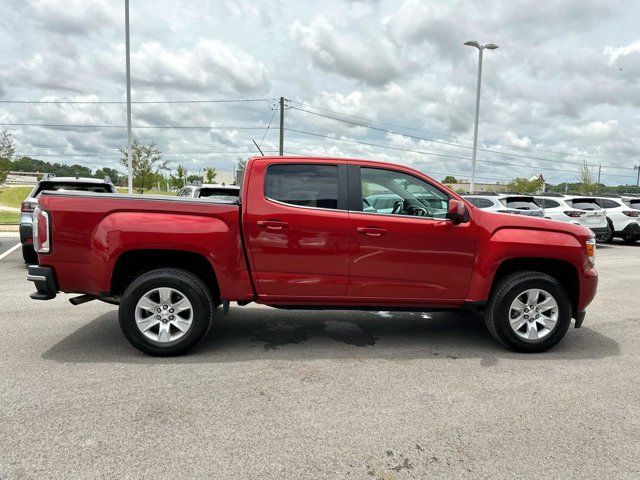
[{"x": 495, "y": 221}]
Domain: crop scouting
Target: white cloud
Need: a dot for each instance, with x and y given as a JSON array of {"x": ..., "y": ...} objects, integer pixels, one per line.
[
  {"x": 77, "y": 16},
  {"x": 615, "y": 53},
  {"x": 371, "y": 60},
  {"x": 597, "y": 130}
]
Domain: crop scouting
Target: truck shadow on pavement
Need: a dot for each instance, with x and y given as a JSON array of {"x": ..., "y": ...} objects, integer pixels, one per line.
[{"x": 248, "y": 334}]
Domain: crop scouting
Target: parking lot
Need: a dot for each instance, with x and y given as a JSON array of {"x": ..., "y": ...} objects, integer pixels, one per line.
[{"x": 290, "y": 395}]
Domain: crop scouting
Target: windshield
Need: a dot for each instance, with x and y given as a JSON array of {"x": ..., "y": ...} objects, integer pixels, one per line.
[
  {"x": 74, "y": 186},
  {"x": 520, "y": 203}
]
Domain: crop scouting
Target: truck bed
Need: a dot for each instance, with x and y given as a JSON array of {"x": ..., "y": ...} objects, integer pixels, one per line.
[{"x": 90, "y": 232}]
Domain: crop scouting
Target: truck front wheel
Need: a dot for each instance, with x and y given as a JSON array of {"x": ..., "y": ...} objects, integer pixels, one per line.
[
  {"x": 528, "y": 312},
  {"x": 166, "y": 312}
]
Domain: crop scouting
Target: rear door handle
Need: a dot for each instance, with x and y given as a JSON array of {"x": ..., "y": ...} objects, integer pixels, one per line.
[
  {"x": 372, "y": 231},
  {"x": 273, "y": 224}
]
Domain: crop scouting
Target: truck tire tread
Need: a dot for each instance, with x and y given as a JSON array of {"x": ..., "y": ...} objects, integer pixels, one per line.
[
  {"x": 180, "y": 275},
  {"x": 492, "y": 317}
]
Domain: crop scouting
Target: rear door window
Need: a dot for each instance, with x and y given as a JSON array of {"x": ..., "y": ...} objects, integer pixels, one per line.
[
  {"x": 546, "y": 203},
  {"x": 479, "y": 202},
  {"x": 304, "y": 185}
]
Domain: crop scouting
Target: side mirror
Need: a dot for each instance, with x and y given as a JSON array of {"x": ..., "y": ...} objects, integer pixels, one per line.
[{"x": 457, "y": 212}]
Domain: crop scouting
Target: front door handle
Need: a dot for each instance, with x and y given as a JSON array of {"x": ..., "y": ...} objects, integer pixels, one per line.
[
  {"x": 372, "y": 231},
  {"x": 273, "y": 224}
]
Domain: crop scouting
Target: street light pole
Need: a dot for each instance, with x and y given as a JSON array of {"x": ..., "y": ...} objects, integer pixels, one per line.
[
  {"x": 637, "y": 167},
  {"x": 490, "y": 46},
  {"x": 128, "y": 75}
]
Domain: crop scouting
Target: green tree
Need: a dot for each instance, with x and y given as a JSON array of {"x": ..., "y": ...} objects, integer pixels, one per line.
[
  {"x": 586, "y": 179},
  {"x": 241, "y": 165},
  {"x": 116, "y": 177},
  {"x": 146, "y": 164},
  {"x": 178, "y": 180},
  {"x": 193, "y": 178},
  {"x": 449, "y": 179},
  {"x": 524, "y": 185},
  {"x": 210, "y": 174},
  {"x": 7, "y": 150}
]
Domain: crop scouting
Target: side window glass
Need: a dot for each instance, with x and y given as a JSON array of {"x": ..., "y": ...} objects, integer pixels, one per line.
[
  {"x": 394, "y": 193},
  {"x": 308, "y": 185}
]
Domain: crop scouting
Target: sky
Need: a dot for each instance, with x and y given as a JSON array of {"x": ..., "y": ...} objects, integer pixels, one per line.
[{"x": 385, "y": 80}]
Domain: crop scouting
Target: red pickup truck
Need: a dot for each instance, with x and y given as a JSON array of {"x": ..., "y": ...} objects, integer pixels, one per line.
[{"x": 322, "y": 233}]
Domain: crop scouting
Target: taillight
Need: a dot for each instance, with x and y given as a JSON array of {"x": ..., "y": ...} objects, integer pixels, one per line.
[
  {"x": 632, "y": 213},
  {"x": 590, "y": 247},
  {"x": 28, "y": 207},
  {"x": 573, "y": 213},
  {"x": 41, "y": 238}
]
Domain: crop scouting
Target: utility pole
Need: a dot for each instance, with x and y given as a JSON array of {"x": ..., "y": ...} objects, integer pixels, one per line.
[
  {"x": 281, "y": 126},
  {"x": 599, "y": 172},
  {"x": 128, "y": 75},
  {"x": 637, "y": 167}
]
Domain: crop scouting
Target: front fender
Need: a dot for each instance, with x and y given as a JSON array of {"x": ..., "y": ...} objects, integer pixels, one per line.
[{"x": 514, "y": 243}]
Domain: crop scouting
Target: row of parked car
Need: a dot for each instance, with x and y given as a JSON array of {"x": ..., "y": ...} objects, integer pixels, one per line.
[
  {"x": 51, "y": 183},
  {"x": 607, "y": 217}
]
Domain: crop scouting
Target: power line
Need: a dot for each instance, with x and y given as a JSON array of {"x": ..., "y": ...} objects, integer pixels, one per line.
[
  {"x": 455, "y": 136},
  {"x": 268, "y": 125},
  {"x": 456, "y": 145},
  {"x": 66, "y": 125},
  {"x": 118, "y": 102},
  {"x": 487, "y": 178},
  {"x": 164, "y": 153},
  {"x": 423, "y": 152}
]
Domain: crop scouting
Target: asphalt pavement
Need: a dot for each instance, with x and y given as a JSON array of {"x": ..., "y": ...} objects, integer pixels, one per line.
[{"x": 319, "y": 395}]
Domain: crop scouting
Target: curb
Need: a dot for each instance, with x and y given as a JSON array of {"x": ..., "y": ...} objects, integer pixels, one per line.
[{"x": 9, "y": 228}]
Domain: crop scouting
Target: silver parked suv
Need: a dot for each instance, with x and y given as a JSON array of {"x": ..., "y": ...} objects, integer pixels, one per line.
[{"x": 50, "y": 182}]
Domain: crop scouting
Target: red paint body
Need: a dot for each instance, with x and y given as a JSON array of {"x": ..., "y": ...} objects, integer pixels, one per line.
[{"x": 308, "y": 256}]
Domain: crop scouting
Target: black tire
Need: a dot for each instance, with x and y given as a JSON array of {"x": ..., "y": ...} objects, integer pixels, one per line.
[
  {"x": 608, "y": 237},
  {"x": 510, "y": 287},
  {"x": 29, "y": 255},
  {"x": 630, "y": 239},
  {"x": 193, "y": 288}
]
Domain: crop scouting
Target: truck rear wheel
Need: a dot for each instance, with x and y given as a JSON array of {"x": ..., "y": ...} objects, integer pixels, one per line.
[
  {"x": 528, "y": 312},
  {"x": 166, "y": 312}
]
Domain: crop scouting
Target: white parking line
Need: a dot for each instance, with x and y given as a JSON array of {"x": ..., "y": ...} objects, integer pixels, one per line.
[{"x": 12, "y": 249}]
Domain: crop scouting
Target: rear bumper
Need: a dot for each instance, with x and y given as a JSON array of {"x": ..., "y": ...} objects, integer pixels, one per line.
[
  {"x": 599, "y": 230},
  {"x": 26, "y": 234},
  {"x": 632, "y": 229},
  {"x": 45, "y": 281}
]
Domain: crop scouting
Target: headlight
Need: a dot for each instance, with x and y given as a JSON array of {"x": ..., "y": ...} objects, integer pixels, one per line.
[{"x": 590, "y": 247}]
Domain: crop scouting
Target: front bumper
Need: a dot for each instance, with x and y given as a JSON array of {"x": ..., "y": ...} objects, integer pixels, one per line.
[{"x": 45, "y": 280}]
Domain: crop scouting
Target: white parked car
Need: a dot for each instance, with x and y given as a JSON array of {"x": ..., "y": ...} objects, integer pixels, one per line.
[
  {"x": 622, "y": 217},
  {"x": 211, "y": 190},
  {"x": 505, "y": 203},
  {"x": 577, "y": 210}
]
